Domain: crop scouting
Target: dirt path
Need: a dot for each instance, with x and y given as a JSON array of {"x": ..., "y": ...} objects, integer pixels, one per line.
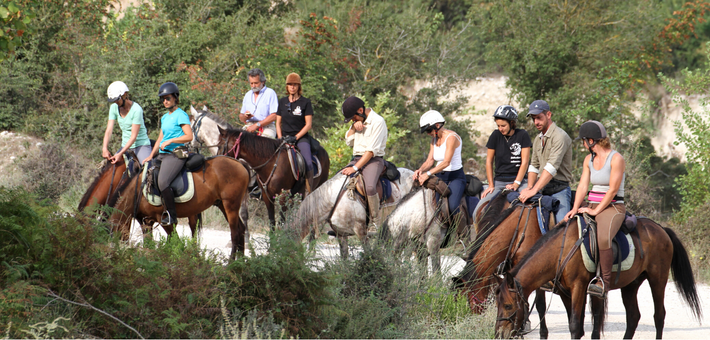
[{"x": 679, "y": 323}]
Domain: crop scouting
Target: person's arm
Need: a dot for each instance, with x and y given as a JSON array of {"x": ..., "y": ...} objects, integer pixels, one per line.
[
  {"x": 524, "y": 161},
  {"x": 268, "y": 120},
  {"x": 278, "y": 127},
  {"x": 618, "y": 166},
  {"x": 490, "y": 158},
  {"x": 156, "y": 147},
  {"x": 107, "y": 138},
  {"x": 187, "y": 137},
  {"x": 451, "y": 145},
  {"x": 582, "y": 188},
  {"x": 428, "y": 163},
  {"x": 135, "y": 128},
  {"x": 306, "y": 128}
]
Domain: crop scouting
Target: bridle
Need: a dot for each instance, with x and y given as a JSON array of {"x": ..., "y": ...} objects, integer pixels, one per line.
[
  {"x": 518, "y": 290},
  {"x": 196, "y": 125}
]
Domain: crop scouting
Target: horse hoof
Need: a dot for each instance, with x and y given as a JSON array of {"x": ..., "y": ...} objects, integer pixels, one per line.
[{"x": 332, "y": 233}]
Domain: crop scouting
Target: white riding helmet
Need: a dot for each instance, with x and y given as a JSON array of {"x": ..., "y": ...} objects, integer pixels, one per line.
[
  {"x": 116, "y": 90},
  {"x": 429, "y": 120}
]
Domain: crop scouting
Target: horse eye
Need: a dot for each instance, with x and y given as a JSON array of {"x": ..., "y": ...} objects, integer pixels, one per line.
[{"x": 508, "y": 307}]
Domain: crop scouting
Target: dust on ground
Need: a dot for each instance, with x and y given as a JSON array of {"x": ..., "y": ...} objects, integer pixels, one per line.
[{"x": 13, "y": 148}]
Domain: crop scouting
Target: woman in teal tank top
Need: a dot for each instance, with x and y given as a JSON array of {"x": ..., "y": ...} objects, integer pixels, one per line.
[{"x": 129, "y": 116}]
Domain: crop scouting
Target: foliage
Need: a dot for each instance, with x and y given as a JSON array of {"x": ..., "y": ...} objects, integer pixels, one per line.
[
  {"x": 16, "y": 15},
  {"x": 693, "y": 132}
]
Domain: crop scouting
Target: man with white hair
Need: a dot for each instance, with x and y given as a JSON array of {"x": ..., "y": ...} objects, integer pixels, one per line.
[{"x": 259, "y": 107}]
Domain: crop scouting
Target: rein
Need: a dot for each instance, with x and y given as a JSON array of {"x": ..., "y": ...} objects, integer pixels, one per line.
[
  {"x": 337, "y": 200},
  {"x": 236, "y": 148},
  {"x": 110, "y": 186},
  {"x": 503, "y": 266}
]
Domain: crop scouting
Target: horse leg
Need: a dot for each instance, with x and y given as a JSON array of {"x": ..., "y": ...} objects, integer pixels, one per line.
[
  {"x": 633, "y": 314},
  {"x": 597, "y": 306},
  {"x": 193, "y": 221},
  {"x": 541, "y": 310},
  {"x": 343, "y": 241},
  {"x": 271, "y": 210},
  {"x": 244, "y": 216},
  {"x": 658, "y": 292},
  {"x": 236, "y": 228},
  {"x": 578, "y": 302}
]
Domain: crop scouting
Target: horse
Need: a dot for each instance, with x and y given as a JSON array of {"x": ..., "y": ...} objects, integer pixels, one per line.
[
  {"x": 418, "y": 220},
  {"x": 109, "y": 179},
  {"x": 222, "y": 182},
  {"x": 269, "y": 159},
  {"x": 204, "y": 129},
  {"x": 657, "y": 251},
  {"x": 343, "y": 208},
  {"x": 507, "y": 233}
]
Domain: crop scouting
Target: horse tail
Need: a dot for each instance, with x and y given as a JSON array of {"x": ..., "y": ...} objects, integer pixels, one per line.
[{"x": 683, "y": 274}]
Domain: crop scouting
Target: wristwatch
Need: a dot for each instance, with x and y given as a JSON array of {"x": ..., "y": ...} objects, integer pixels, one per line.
[
  {"x": 258, "y": 124},
  {"x": 517, "y": 182},
  {"x": 355, "y": 168},
  {"x": 428, "y": 173}
]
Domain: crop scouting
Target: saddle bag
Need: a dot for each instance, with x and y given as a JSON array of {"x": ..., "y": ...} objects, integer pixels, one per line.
[
  {"x": 554, "y": 187},
  {"x": 474, "y": 186},
  {"x": 194, "y": 161},
  {"x": 181, "y": 152},
  {"x": 436, "y": 184}
]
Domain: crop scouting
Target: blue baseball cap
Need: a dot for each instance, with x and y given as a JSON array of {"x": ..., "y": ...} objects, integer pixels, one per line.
[{"x": 537, "y": 107}]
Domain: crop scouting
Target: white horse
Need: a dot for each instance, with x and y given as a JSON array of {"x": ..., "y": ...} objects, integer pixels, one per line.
[
  {"x": 205, "y": 133},
  {"x": 417, "y": 223},
  {"x": 348, "y": 216}
]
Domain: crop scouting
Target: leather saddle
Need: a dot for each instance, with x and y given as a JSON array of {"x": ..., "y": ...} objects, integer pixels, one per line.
[
  {"x": 443, "y": 191},
  {"x": 298, "y": 163},
  {"x": 182, "y": 185}
]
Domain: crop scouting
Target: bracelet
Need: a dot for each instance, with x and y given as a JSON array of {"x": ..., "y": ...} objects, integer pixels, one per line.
[
  {"x": 355, "y": 168},
  {"x": 428, "y": 173},
  {"x": 517, "y": 182}
]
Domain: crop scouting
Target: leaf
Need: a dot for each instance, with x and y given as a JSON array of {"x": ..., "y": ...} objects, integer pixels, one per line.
[
  {"x": 13, "y": 8},
  {"x": 4, "y": 12}
]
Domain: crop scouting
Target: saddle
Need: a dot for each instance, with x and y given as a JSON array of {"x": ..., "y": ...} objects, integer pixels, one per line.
[
  {"x": 465, "y": 206},
  {"x": 298, "y": 164},
  {"x": 544, "y": 205},
  {"x": 622, "y": 245},
  {"x": 183, "y": 185}
]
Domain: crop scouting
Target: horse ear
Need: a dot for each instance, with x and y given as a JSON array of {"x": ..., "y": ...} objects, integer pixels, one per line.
[
  {"x": 221, "y": 130},
  {"x": 193, "y": 111},
  {"x": 204, "y": 108},
  {"x": 509, "y": 280}
]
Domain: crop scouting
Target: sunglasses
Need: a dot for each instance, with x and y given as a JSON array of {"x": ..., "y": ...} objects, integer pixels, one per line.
[
  {"x": 288, "y": 106},
  {"x": 166, "y": 97}
]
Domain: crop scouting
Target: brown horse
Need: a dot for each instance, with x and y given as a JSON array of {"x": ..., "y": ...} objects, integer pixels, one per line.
[
  {"x": 507, "y": 233},
  {"x": 662, "y": 252},
  {"x": 223, "y": 183},
  {"x": 269, "y": 159},
  {"x": 109, "y": 179}
]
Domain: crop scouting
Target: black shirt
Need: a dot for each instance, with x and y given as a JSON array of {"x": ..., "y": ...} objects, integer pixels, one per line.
[
  {"x": 293, "y": 115},
  {"x": 508, "y": 149}
]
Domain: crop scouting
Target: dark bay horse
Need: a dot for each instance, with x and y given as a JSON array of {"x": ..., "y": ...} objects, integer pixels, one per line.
[
  {"x": 663, "y": 252},
  {"x": 222, "y": 183},
  {"x": 269, "y": 159},
  {"x": 506, "y": 235},
  {"x": 109, "y": 179}
]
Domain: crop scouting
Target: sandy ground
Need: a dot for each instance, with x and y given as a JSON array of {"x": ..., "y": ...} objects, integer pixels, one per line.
[{"x": 679, "y": 323}]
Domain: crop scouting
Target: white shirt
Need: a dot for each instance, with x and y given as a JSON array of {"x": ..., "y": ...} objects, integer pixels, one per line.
[
  {"x": 373, "y": 136},
  {"x": 266, "y": 103},
  {"x": 440, "y": 154}
]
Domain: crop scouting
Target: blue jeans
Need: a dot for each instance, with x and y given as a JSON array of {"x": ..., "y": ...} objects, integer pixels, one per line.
[
  {"x": 457, "y": 183},
  {"x": 565, "y": 197}
]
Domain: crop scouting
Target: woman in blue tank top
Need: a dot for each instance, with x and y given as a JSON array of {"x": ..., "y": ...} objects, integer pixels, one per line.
[
  {"x": 604, "y": 169},
  {"x": 175, "y": 131}
]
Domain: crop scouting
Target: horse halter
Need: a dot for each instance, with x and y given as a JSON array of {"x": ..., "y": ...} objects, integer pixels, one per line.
[
  {"x": 196, "y": 128},
  {"x": 518, "y": 290}
]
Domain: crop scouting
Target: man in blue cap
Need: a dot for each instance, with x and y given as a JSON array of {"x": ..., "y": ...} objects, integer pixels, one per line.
[{"x": 550, "y": 170}]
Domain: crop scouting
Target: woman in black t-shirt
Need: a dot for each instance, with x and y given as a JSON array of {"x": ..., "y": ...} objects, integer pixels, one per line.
[
  {"x": 293, "y": 121},
  {"x": 509, "y": 148}
]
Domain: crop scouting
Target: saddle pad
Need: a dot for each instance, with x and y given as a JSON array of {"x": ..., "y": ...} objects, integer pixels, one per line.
[
  {"x": 154, "y": 199},
  {"x": 624, "y": 242},
  {"x": 298, "y": 167},
  {"x": 386, "y": 189}
]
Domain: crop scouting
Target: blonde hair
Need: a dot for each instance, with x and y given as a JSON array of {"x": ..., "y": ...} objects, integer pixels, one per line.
[{"x": 604, "y": 143}]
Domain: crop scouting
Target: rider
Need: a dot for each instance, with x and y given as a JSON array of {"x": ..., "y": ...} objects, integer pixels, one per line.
[
  {"x": 130, "y": 119},
  {"x": 604, "y": 169},
  {"x": 551, "y": 160},
  {"x": 293, "y": 121},
  {"x": 259, "y": 106},
  {"x": 509, "y": 147},
  {"x": 368, "y": 137},
  {"x": 447, "y": 153},
  {"x": 175, "y": 131}
]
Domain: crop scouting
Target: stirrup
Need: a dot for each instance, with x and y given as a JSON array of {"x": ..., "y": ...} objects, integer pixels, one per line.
[
  {"x": 596, "y": 290},
  {"x": 167, "y": 220}
]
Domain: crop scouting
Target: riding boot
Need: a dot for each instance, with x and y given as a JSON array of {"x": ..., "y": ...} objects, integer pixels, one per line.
[
  {"x": 309, "y": 182},
  {"x": 373, "y": 202},
  {"x": 169, "y": 202},
  {"x": 601, "y": 287}
]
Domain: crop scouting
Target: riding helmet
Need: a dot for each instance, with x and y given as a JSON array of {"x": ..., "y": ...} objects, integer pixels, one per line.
[
  {"x": 506, "y": 112},
  {"x": 116, "y": 90},
  {"x": 350, "y": 107},
  {"x": 592, "y": 129},
  {"x": 293, "y": 78},
  {"x": 169, "y": 88},
  {"x": 429, "y": 120}
]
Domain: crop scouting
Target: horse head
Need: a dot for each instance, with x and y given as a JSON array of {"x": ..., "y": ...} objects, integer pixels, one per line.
[
  {"x": 205, "y": 128},
  {"x": 512, "y": 308},
  {"x": 475, "y": 294}
]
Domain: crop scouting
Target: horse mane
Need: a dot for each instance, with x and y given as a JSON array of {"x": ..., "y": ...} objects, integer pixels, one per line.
[
  {"x": 489, "y": 221},
  {"x": 541, "y": 243},
  {"x": 217, "y": 119},
  {"x": 94, "y": 183},
  {"x": 258, "y": 146},
  {"x": 119, "y": 190}
]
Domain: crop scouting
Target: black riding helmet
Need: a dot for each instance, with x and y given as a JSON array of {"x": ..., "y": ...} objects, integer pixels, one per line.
[
  {"x": 169, "y": 88},
  {"x": 506, "y": 112}
]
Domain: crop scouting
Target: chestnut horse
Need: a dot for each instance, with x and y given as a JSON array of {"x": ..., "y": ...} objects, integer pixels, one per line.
[
  {"x": 506, "y": 235},
  {"x": 557, "y": 256},
  {"x": 109, "y": 179},
  {"x": 223, "y": 183},
  {"x": 269, "y": 159}
]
